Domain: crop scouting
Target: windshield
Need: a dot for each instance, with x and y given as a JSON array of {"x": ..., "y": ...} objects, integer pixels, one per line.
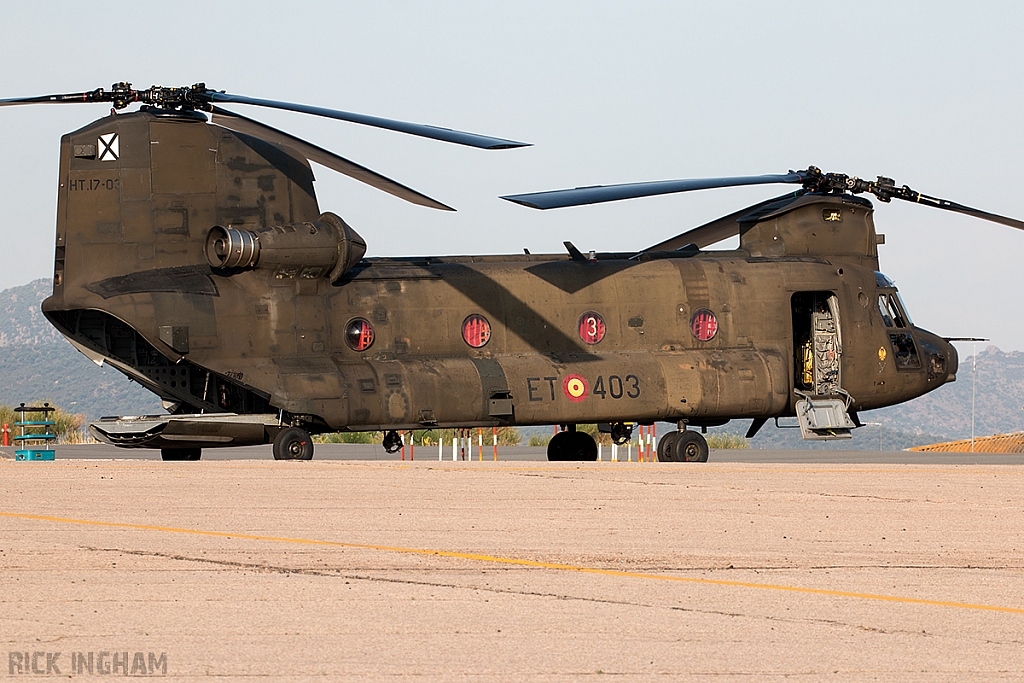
[{"x": 894, "y": 313}]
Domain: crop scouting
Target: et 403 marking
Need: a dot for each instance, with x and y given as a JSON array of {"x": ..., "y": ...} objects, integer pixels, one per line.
[{"x": 576, "y": 388}]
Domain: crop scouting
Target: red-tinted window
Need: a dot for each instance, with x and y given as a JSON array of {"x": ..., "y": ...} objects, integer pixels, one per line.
[
  {"x": 476, "y": 331},
  {"x": 591, "y": 327},
  {"x": 359, "y": 334},
  {"x": 704, "y": 324}
]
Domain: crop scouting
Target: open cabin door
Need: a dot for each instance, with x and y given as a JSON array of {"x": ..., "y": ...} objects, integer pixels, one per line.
[{"x": 818, "y": 352}]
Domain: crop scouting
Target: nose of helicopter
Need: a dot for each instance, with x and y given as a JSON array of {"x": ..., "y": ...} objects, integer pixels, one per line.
[
  {"x": 952, "y": 361},
  {"x": 940, "y": 357}
]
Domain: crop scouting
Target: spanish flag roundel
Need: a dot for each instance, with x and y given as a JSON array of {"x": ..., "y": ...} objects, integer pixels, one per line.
[{"x": 575, "y": 388}]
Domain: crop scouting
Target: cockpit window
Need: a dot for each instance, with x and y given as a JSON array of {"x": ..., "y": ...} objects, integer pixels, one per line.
[
  {"x": 893, "y": 313},
  {"x": 903, "y": 308},
  {"x": 883, "y": 308},
  {"x": 882, "y": 281}
]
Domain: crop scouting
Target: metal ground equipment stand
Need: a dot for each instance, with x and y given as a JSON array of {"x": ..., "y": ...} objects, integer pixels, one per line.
[{"x": 35, "y": 432}]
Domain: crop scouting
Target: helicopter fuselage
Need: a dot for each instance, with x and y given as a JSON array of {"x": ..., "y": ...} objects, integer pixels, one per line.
[{"x": 331, "y": 341}]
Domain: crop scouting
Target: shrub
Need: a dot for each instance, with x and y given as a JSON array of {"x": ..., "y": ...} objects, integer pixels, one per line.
[
  {"x": 349, "y": 437},
  {"x": 727, "y": 441},
  {"x": 507, "y": 436}
]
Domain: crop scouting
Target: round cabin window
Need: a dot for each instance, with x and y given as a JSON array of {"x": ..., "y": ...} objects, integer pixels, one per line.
[
  {"x": 591, "y": 327},
  {"x": 359, "y": 334},
  {"x": 704, "y": 325},
  {"x": 476, "y": 331}
]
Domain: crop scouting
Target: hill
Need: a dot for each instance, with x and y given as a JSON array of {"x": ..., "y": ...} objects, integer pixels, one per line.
[{"x": 37, "y": 363}]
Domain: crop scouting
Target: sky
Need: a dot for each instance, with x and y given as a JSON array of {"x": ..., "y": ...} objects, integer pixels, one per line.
[{"x": 928, "y": 93}]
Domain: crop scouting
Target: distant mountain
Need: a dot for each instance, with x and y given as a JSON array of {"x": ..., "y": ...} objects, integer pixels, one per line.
[
  {"x": 37, "y": 363},
  {"x": 942, "y": 415},
  {"x": 21, "y": 319}
]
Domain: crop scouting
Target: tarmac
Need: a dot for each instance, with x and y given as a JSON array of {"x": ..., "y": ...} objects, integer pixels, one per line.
[{"x": 853, "y": 567}]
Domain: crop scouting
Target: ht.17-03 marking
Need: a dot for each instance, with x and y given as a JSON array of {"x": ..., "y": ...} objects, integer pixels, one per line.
[{"x": 93, "y": 184}]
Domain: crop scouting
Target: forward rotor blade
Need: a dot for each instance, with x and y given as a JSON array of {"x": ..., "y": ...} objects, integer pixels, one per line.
[
  {"x": 433, "y": 132},
  {"x": 717, "y": 230},
  {"x": 75, "y": 97},
  {"x": 321, "y": 156},
  {"x": 610, "y": 193},
  {"x": 919, "y": 198}
]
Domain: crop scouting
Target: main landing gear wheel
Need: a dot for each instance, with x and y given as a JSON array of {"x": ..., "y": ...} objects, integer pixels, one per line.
[
  {"x": 666, "y": 447},
  {"x": 293, "y": 444},
  {"x": 181, "y": 454},
  {"x": 572, "y": 446},
  {"x": 685, "y": 446}
]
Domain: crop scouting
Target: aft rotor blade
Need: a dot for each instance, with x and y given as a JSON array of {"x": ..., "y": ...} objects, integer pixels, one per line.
[
  {"x": 919, "y": 198},
  {"x": 324, "y": 157},
  {"x": 717, "y": 230},
  {"x": 422, "y": 130},
  {"x": 610, "y": 193}
]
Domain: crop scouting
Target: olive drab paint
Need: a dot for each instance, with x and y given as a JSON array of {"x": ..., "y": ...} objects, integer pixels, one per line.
[{"x": 196, "y": 260}]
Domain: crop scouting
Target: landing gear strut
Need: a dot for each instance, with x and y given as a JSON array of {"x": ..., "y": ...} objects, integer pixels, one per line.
[
  {"x": 683, "y": 446},
  {"x": 293, "y": 444},
  {"x": 621, "y": 433},
  {"x": 392, "y": 442},
  {"x": 572, "y": 445}
]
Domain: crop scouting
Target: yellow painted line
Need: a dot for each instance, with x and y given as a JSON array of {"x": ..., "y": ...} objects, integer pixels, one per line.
[{"x": 521, "y": 563}]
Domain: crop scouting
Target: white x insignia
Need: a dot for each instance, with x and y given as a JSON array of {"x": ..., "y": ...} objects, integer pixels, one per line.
[{"x": 109, "y": 147}]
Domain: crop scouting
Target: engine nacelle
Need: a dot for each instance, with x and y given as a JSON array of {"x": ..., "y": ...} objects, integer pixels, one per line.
[{"x": 327, "y": 247}]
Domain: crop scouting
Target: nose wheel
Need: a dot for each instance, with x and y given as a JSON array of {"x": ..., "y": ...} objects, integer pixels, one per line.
[{"x": 684, "y": 446}]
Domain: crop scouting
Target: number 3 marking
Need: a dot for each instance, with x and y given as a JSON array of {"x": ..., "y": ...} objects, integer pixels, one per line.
[{"x": 634, "y": 391}]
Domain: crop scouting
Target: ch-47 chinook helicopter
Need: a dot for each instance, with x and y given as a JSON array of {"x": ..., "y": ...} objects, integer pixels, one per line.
[{"x": 193, "y": 257}]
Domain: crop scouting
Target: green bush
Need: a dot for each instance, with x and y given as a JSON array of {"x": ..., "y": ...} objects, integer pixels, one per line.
[
  {"x": 349, "y": 437},
  {"x": 507, "y": 436},
  {"x": 727, "y": 441}
]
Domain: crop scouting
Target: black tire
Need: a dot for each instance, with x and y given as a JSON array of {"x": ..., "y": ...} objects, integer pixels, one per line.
[
  {"x": 582, "y": 447},
  {"x": 691, "y": 447},
  {"x": 557, "y": 450},
  {"x": 572, "y": 447},
  {"x": 181, "y": 454},
  {"x": 293, "y": 444},
  {"x": 667, "y": 447}
]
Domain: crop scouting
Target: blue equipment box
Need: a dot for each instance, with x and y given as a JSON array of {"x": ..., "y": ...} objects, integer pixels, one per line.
[{"x": 33, "y": 454}]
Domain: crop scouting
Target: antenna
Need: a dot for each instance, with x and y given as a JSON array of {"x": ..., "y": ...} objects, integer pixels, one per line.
[{"x": 974, "y": 391}]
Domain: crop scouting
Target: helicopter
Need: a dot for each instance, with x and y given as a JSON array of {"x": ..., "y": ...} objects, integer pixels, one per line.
[{"x": 191, "y": 254}]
